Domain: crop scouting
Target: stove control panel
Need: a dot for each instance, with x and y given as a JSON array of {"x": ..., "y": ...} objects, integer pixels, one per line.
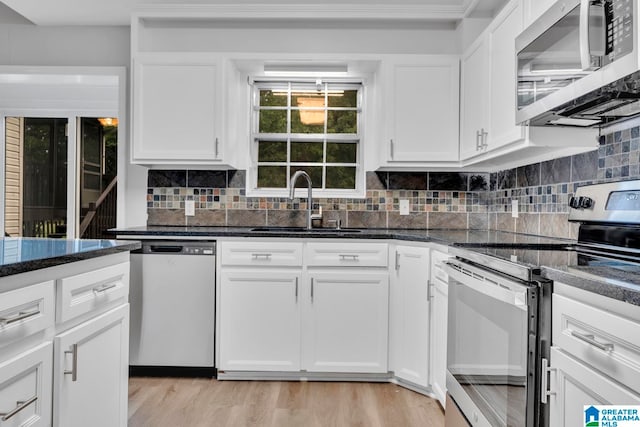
[
  {"x": 582, "y": 202},
  {"x": 612, "y": 202}
]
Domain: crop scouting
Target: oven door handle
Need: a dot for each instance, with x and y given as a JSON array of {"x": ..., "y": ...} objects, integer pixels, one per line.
[{"x": 486, "y": 286}]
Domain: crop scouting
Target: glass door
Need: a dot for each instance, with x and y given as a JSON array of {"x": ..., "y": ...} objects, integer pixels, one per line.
[{"x": 36, "y": 177}]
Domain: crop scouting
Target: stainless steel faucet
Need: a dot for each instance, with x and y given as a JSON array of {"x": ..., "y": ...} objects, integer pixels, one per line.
[{"x": 292, "y": 190}]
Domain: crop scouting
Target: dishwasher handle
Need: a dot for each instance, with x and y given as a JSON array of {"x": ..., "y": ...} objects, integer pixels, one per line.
[{"x": 165, "y": 248}]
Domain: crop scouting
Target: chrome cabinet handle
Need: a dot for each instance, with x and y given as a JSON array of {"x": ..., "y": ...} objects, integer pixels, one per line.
[
  {"x": 478, "y": 140},
  {"x": 296, "y": 289},
  {"x": 484, "y": 138},
  {"x": 391, "y": 148},
  {"x": 544, "y": 382},
  {"x": 258, "y": 256},
  {"x": 312, "y": 289},
  {"x": 20, "y": 405},
  {"x": 104, "y": 288},
  {"x": 590, "y": 339},
  {"x": 21, "y": 316},
  {"x": 352, "y": 257},
  {"x": 74, "y": 362},
  {"x": 216, "y": 153},
  {"x": 429, "y": 291},
  {"x": 397, "y": 260}
]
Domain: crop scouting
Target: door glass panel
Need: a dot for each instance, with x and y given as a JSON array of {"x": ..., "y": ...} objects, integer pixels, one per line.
[
  {"x": 36, "y": 177},
  {"x": 98, "y": 144}
]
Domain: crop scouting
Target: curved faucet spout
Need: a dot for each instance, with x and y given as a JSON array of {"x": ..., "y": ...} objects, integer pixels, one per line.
[{"x": 292, "y": 191}]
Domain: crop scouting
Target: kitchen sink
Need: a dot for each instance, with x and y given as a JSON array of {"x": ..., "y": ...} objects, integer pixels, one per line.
[{"x": 304, "y": 230}]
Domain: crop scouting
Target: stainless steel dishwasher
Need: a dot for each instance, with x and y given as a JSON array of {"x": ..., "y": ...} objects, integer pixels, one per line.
[{"x": 172, "y": 300}]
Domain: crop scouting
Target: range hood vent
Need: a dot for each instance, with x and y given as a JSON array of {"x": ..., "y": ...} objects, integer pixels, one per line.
[{"x": 614, "y": 102}]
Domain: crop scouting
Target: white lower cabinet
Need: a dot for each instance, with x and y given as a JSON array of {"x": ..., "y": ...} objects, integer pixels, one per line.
[
  {"x": 439, "y": 295},
  {"x": 325, "y": 313},
  {"x": 410, "y": 315},
  {"x": 25, "y": 388},
  {"x": 91, "y": 370},
  {"x": 595, "y": 357},
  {"x": 346, "y": 323},
  {"x": 575, "y": 385},
  {"x": 260, "y": 315}
]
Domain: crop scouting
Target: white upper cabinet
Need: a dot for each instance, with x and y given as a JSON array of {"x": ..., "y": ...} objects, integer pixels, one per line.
[
  {"x": 420, "y": 109},
  {"x": 533, "y": 9},
  {"x": 178, "y": 104},
  {"x": 474, "y": 93},
  {"x": 489, "y": 135}
]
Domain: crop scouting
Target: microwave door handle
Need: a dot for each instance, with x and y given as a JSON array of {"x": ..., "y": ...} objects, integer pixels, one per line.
[
  {"x": 586, "y": 49},
  {"x": 515, "y": 299}
]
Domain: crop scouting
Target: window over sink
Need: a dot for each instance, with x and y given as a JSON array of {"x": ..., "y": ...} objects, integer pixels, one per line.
[{"x": 313, "y": 126}]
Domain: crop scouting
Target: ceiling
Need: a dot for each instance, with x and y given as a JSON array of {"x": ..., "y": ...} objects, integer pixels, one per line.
[{"x": 118, "y": 12}]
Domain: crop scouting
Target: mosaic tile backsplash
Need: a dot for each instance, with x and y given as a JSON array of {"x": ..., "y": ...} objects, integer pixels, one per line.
[{"x": 437, "y": 199}]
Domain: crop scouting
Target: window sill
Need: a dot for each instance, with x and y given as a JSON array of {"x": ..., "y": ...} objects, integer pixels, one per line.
[{"x": 302, "y": 193}]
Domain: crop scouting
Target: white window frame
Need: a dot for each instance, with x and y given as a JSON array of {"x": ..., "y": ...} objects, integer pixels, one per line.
[{"x": 252, "y": 173}]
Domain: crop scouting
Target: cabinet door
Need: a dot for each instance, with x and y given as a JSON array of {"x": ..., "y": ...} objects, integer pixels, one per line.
[
  {"x": 259, "y": 321},
  {"x": 25, "y": 388},
  {"x": 474, "y": 98},
  {"x": 176, "y": 109},
  {"x": 422, "y": 110},
  {"x": 91, "y": 371},
  {"x": 346, "y": 322},
  {"x": 575, "y": 385},
  {"x": 439, "y": 291},
  {"x": 410, "y": 315},
  {"x": 502, "y": 128}
]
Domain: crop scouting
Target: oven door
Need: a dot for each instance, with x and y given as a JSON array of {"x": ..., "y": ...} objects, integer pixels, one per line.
[{"x": 490, "y": 366}]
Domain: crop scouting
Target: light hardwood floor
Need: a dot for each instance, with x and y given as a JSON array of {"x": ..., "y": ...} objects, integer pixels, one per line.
[{"x": 187, "y": 402}]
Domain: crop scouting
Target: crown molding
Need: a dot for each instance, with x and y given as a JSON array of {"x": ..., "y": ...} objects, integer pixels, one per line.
[{"x": 351, "y": 12}]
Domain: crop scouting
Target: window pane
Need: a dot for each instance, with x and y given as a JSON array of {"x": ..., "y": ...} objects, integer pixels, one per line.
[
  {"x": 272, "y": 177},
  {"x": 273, "y": 121},
  {"x": 307, "y": 152},
  {"x": 341, "y": 177},
  {"x": 347, "y": 98},
  {"x": 271, "y": 98},
  {"x": 341, "y": 153},
  {"x": 311, "y": 99},
  {"x": 342, "y": 122},
  {"x": 307, "y": 121},
  {"x": 315, "y": 172},
  {"x": 272, "y": 151}
]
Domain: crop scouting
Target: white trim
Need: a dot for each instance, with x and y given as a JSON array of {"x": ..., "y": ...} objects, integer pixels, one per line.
[{"x": 358, "y": 12}]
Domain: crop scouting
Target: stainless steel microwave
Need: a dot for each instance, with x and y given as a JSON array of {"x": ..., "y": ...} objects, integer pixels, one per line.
[{"x": 578, "y": 64}]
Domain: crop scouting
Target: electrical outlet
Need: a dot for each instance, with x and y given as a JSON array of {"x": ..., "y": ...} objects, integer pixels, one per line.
[
  {"x": 404, "y": 207},
  {"x": 514, "y": 208},
  {"x": 189, "y": 208}
]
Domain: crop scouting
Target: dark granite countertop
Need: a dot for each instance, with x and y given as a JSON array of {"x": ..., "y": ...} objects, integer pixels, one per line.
[
  {"x": 469, "y": 237},
  {"x": 23, "y": 254},
  {"x": 618, "y": 282}
]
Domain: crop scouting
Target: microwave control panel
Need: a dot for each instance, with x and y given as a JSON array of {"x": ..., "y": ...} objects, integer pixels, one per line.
[{"x": 619, "y": 28}]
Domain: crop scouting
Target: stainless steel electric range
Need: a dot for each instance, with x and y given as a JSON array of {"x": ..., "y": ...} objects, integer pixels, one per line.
[{"x": 500, "y": 304}]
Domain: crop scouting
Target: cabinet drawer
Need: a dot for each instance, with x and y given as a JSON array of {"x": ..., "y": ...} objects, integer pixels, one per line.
[
  {"x": 347, "y": 254},
  {"x": 437, "y": 271},
  {"x": 277, "y": 254},
  {"x": 89, "y": 291},
  {"x": 606, "y": 341},
  {"x": 25, "y": 311},
  {"x": 25, "y": 388}
]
